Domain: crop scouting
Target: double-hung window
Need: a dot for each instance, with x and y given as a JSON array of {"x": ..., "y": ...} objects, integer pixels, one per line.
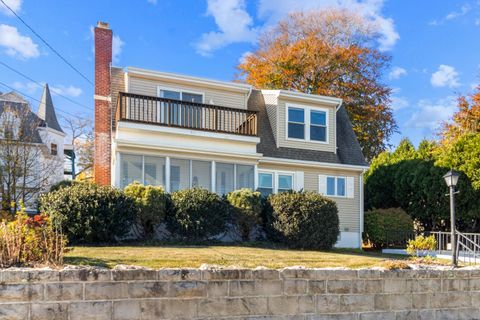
[
  {"x": 296, "y": 123},
  {"x": 307, "y": 123},
  {"x": 318, "y": 125},
  {"x": 285, "y": 182},
  {"x": 265, "y": 183},
  {"x": 336, "y": 186}
]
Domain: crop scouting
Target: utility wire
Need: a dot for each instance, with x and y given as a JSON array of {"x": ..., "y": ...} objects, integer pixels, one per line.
[
  {"x": 40, "y": 84},
  {"x": 28, "y": 96},
  {"x": 46, "y": 43}
]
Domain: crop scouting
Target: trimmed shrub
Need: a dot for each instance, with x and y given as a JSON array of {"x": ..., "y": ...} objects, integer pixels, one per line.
[
  {"x": 421, "y": 245},
  {"x": 89, "y": 213},
  {"x": 385, "y": 227},
  {"x": 197, "y": 214},
  {"x": 304, "y": 219},
  {"x": 247, "y": 207},
  {"x": 30, "y": 241},
  {"x": 62, "y": 184},
  {"x": 152, "y": 203}
]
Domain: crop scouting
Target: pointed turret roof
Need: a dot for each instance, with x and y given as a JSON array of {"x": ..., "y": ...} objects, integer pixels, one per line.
[{"x": 46, "y": 111}]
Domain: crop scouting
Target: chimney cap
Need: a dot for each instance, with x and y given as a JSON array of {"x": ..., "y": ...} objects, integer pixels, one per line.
[{"x": 103, "y": 25}]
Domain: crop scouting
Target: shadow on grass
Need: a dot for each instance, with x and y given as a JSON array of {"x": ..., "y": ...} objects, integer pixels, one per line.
[{"x": 83, "y": 261}]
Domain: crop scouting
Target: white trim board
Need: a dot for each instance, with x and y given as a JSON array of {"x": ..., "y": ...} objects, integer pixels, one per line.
[
  {"x": 304, "y": 97},
  {"x": 316, "y": 164}
]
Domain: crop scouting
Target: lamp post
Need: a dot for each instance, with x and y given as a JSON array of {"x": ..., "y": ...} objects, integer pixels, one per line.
[{"x": 451, "y": 178}]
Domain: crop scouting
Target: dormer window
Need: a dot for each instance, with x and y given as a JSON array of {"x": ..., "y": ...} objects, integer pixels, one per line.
[{"x": 307, "y": 123}]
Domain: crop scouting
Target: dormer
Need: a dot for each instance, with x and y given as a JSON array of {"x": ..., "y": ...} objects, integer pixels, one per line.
[{"x": 302, "y": 121}]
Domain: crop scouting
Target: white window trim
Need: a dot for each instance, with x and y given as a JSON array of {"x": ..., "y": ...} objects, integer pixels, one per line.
[
  {"x": 307, "y": 122},
  {"x": 336, "y": 185},
  {"x": 275, "y": 174}
]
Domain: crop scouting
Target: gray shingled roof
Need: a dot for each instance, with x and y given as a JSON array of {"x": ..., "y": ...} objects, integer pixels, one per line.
[
  {"x": 46, "y": 111},
  {"x": 348, "y": 148},
  {"x": 15, "y": 102}
]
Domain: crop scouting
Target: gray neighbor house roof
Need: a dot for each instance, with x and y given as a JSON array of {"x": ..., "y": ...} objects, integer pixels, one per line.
[
  {"x": 348, "y": 148},
  {"x": 46, "y": 113}
]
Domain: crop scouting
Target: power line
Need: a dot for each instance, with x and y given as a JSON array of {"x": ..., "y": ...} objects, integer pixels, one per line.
[
  {"x": 34, "y": 81},
  {"x": 28, "y": 96},
  {"x": 46, "y": 43}
]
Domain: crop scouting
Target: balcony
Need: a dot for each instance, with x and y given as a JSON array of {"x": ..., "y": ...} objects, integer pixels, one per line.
[{"x": 183, "y": 114}]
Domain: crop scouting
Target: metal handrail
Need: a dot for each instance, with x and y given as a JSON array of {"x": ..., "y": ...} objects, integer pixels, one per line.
[{"x": 469, "y": 246}]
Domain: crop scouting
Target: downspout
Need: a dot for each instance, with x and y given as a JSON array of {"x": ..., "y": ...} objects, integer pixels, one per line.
[{"x": 336, "y": 110}]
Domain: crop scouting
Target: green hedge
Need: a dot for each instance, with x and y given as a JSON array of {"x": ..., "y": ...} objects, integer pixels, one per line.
[
  {"x": 247, "y": 207},
  {"x": 385, "y": 227},
  {"x": 303, "y": 220},
  {"x": 152, "y": 203},
  {"x": 89, "y": 213},
  {"x": 197, "y": 214}
]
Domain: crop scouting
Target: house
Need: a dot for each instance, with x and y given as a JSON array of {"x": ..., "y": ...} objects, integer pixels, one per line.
[
  {"x": 181, "y": 131},
  {"x": 31, "y": 150}
]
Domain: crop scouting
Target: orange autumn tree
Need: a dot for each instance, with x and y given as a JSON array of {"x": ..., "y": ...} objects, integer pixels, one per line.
[
  {"x": 466, "y": 120},
  {"x": 328, "y": 52}
]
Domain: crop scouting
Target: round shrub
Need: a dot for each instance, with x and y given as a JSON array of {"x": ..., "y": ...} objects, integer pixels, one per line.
[
  {"x": 89, "y": 213},
  {"x": 385, "y": 227},
  {"x": 152, "y": 203},
  {"x": 247, "y": 207},
  {"x": 304, "y": 219},
  {"x": 197, "y": 214}
]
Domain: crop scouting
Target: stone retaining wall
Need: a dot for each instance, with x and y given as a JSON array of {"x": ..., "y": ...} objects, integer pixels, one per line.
[{"x": 239, "y": 294}]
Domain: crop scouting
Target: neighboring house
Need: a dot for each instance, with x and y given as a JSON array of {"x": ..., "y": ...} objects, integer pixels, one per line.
[
  {"x": 181, "y": 132},
  {"x": 31, "y": 149}
]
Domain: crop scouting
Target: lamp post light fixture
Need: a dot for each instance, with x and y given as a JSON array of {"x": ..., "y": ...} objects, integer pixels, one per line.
[{"x": 451, "y": 179}]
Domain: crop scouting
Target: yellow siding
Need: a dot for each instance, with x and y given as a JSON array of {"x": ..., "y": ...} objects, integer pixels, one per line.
[
  {"x": 283, "y": 142},
  {"x": 348, "y": 208},
  {"x": 147, "y": 86}
]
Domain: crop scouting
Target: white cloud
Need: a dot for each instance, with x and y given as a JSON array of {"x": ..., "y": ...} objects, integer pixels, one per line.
[
  {"x": 29, "y": 87},
  {"x": 455, "y": 14},
  {"x": 16, "y": 5},
  {"x": 17, "y": 45},
  {"x": 445, "y": 76},
  {"x": 233, "y": 22},
  {"x": 117, "y": 46},
  {"x": 399, "y": 103},
  {"x": 274, "y": 10},
  {"x": 66, "y": 91},
  {"x": 431, "y": 114},
  {"x": 466, "y": 8},
  {"x": 244, "y": 56},
  {"x": 396, "y": 73}
]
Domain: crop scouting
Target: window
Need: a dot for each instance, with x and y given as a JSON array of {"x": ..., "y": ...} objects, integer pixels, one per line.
[
  {"x": 336, "y": 186},
  {"x": 179, "y": 114},
  {"x": 154, "y": 168},
  {"x": 202, "y": 174},
  {"x": 224, "y": 178},
  {"x": 245, "y": 176},
  {"x": 296, "y": 123},
  {"x": 265, "y": 183},
  {"x": 318, "y": 126},
  {"x": 131, "y": 169},
  {"x": 53, "y": 149},
  {"x": 285, "y": 183},
  {"x": 179, "y": 174},
  {"x": 307, "y": 123}
]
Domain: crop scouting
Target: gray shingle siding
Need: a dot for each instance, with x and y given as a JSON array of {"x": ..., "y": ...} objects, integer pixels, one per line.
[{"x": 348, "y": 148}]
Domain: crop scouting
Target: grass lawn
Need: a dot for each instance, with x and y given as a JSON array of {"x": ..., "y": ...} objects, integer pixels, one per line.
[{"x": 170, "y": 256}]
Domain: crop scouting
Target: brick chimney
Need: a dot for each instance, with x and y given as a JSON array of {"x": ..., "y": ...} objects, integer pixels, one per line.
[{"x": 103, "y": 110}]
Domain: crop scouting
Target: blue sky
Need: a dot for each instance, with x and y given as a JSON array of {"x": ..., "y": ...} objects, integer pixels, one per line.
[{"x": 434, "y": 45}]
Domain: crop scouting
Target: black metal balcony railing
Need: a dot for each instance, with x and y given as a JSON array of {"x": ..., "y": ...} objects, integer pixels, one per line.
[{"x": 183, "y": 114}]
